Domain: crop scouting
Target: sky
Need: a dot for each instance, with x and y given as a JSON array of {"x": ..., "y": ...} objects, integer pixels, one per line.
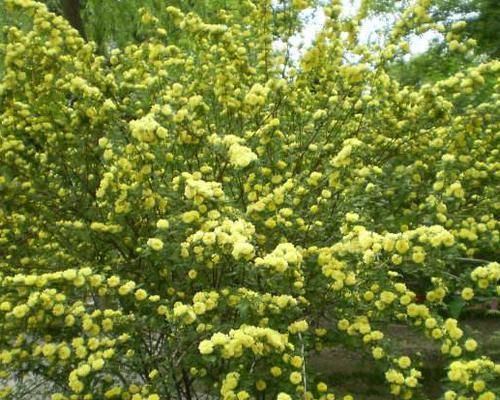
[{"x": 316, "y": 18}]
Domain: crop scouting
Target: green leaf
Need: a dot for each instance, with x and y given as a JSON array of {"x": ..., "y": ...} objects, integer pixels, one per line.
[{"x": 456, "y": 306}]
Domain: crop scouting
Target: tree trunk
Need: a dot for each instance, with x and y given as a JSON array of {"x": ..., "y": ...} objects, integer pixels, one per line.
[{"x": 71, "y": 11}]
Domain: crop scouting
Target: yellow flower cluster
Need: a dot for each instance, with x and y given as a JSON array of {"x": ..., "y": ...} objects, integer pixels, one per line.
[
  {"x": 259, "y": 340},
  {"x": 264, "y": 302},
  {"x": 196, "y": 214},
  {"x": 187, "y": 314},
  {"x": 218, "y": 232},
  {"x": 280, "y": 258},
  {"x": 487, "y": 275},
  {"x": 198, "y": 190},
  {"x": 465, "y": 372}
]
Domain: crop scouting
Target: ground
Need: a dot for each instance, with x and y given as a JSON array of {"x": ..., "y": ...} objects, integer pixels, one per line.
[{"x": 355, "y": 372}]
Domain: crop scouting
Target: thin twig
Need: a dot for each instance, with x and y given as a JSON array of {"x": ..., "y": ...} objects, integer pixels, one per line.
[
  {"x": 473, "y": 260},
  {"x": 303, "y": 365}
]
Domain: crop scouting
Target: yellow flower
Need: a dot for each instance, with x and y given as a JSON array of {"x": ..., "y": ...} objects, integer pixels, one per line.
[
  {"x": 296, "y": 361},
  {"x": 58, "y": 310},
  {"x": 199, "y": 308},
  {"x": 322, "y": 387},
  {"x": 352, "y": 217},
  {"x": 411, "y": 381},
  {"x": 190, "y": 216},
  {"x": 162, "y": 224},
  {"x": 242, "y": 395},
  {"x": 387, "y": 297},
  {"x": 155, "y": 243},
  {"x": 206, "y": 347},
  {"x": 141, "y": 294},
  {"x": 242, "y": 250},
  {"x": 83, "y": 370},
  {"x": 295, "y": 378},
  {"x": 479, "y": 386},
  {"x": 437, "y": 333},
  {"x": 153, "y": 374},
  {"x": 298, "y": 326},
  {"x": 97, "y": 364},
  {"x": 241, "y": 156},
  {"x": 343, "y": 324},
  {"x": 455, "y": 351},
  {"x": 450, "y": 395},
  {"x": 404, "y": 362},
  {"x": 396, "y": 259},
  {"x": 487, "y": 396},
  {"x": 418, "y": 255},
  {"x": 126, "y": 288},
  {"x": 20, "y": 311},
  {"x": 393, "y": 376},
  {"x": 64, "y": 352},
  {"x": 368, "y": 295},
  {"x": 378, "y": 353},
  {"x": 402, "y": 246},
  {"x": 49, "y": 349},
  {"x": 113, "y": 281},
  {"x": 470, "y": 345},
  {"x": 467, "y": 293}
]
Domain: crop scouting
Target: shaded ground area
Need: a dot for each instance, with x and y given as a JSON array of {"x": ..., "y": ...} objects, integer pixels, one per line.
[{"x": 355, "y": 373}]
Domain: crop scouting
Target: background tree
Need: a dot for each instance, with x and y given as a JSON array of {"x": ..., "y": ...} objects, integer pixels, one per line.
[
  {"x": 112, "y": 24},
  {"x": 483, "y": 26}
]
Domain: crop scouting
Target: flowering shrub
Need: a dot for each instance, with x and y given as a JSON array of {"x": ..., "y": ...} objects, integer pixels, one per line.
[{"x": 196, "y": 216}]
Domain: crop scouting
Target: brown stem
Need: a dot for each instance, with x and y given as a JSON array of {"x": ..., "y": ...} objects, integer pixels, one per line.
[{"x": 187, "y": 384}]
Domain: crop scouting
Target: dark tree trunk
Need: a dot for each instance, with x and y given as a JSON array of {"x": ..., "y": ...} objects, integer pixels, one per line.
[{"x": 71, "y": 11}]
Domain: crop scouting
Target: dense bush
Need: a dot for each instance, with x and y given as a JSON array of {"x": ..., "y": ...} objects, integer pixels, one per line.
[{"x": 197, "y": 217}]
